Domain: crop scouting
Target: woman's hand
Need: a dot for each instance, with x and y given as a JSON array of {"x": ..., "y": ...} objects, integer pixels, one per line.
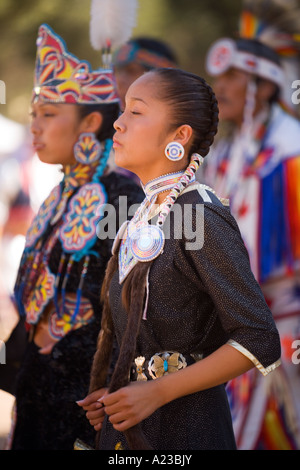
[
  {"x": 131, "y": 404},
  {"x": 94, "y": 408}
]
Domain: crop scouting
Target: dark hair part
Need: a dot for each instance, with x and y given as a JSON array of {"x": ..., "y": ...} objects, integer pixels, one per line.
[
  {"x": 109, "y": 111},
  {"x": 192, "y": 102}
]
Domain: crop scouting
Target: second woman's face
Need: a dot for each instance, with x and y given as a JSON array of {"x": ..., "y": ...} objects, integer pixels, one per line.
[
  {"x": 55, "y": 129},
  {"x": 142, "y": 131}
]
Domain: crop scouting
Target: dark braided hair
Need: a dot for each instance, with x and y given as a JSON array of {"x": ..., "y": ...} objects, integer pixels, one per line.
[
  {"x": 191, "y": 101},
  {"x": 109, "y": 112}
]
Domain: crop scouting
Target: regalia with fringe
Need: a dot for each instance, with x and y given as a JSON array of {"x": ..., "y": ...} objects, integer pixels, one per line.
[{"x": 261, "y": 180}]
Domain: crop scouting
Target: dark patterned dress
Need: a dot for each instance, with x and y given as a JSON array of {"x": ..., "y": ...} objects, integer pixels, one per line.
[
  {"x": 48, "y": 385},
  {"x": 199, "y": 299}
]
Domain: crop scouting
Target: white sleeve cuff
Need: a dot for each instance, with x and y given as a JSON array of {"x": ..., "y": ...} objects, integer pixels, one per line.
[{"x": 264, "y": 370}]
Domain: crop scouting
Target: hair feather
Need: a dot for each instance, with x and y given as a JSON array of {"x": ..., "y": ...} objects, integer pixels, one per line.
[
  {"x": 111, "y": 22},
  {"x": 280, "y": 20}
]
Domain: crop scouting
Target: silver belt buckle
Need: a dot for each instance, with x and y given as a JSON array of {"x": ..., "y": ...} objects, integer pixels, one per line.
[{"x": 165, "y": 363}]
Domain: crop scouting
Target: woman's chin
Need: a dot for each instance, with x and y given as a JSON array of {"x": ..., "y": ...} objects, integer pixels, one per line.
[
  {"x": 121, "y": 163},
  {"x": 44, "y": 158},
  {"x": 47, "y": 160}
]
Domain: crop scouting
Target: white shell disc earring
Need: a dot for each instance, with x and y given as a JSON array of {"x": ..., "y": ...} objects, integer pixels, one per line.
[{"x": 174, "y": 151}]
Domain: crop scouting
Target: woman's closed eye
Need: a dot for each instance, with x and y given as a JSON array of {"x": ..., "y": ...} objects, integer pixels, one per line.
[{"x": 44, "y": 114}]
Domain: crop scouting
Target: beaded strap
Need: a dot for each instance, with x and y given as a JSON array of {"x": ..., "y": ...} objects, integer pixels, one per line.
[{"x": 103, "y": 160}]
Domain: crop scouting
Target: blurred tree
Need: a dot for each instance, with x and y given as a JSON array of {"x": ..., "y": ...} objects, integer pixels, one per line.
[
  {"x": 195, "y": 24},
  {"x": 188, "y": 26}
]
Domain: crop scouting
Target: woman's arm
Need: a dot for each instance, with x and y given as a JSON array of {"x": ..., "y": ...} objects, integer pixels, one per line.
[{"x": 132, "y": 404}]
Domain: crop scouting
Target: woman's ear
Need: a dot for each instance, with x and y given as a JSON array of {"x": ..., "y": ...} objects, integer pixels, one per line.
[
  {"x": 183, "y": 134},
  {"x": 92, "y": 122}
]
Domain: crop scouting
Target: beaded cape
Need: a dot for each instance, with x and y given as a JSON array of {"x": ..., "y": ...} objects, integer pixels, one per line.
[
  {"x": 72, "y": 211},
  {"x": 64, "y": 373}
]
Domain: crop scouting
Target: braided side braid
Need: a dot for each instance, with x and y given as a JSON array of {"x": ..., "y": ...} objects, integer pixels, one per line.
[
  {"x": 204, "y": 145},
  {"x": 102, "y": 356}
]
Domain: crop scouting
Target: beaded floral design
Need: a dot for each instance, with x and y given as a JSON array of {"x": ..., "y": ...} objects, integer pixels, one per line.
[
  {"x": 71, "y": 218},
  {"x": 40, "y": 295},
  {"x": 43, "y": 216},
  {"x": 87, "y": 150},
  {"x": 78, "y": 174},
  {"x": 80, "y": 222},
  {"x": 59, "y": 326}
]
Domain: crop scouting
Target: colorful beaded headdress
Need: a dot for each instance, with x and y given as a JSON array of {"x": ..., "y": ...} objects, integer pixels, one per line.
[
  {"x": 226, "y": 53},
  {"x": 276, "y": 23},
  {"x": 62, "y": 78}
]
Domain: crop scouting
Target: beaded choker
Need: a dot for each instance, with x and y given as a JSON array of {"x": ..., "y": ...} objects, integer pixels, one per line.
[{"x": 161, "y": 184}]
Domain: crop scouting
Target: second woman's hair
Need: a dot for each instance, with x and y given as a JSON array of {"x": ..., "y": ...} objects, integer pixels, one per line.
[{"x": 109, "y": 111}]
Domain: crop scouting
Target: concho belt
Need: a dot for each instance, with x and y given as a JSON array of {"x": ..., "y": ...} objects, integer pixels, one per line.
[{"x": 161, "y": 364}]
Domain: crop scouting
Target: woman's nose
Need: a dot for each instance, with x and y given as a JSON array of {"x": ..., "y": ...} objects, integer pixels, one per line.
[
  {"x": 34, "y": 127},
  {"x": 118, "y": 124}
]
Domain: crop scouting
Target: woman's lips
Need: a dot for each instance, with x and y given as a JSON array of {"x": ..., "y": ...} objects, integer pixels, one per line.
[
  {"x": 38, "y": 146},
  {"x": 116, "y": 144}
]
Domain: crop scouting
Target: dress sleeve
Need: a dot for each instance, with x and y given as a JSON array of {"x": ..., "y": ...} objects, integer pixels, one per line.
[{"x": 224, "y": 269}]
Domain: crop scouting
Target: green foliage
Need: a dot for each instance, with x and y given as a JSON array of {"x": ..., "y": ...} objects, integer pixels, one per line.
[{"x": 189, "y": 26}]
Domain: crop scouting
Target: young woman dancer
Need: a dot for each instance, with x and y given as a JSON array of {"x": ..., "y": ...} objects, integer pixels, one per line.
[
  {"x": 187, "y": 311},
  {"x": 59, "y": 281}
]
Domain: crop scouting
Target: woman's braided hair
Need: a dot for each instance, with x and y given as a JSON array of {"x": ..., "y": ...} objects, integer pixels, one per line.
[{"x": 191, "y": 101}]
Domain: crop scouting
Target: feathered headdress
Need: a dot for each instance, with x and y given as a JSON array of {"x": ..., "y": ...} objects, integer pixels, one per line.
[
  {"x": 111, "y": 25},
  {"x": 276, "y": 23}
]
